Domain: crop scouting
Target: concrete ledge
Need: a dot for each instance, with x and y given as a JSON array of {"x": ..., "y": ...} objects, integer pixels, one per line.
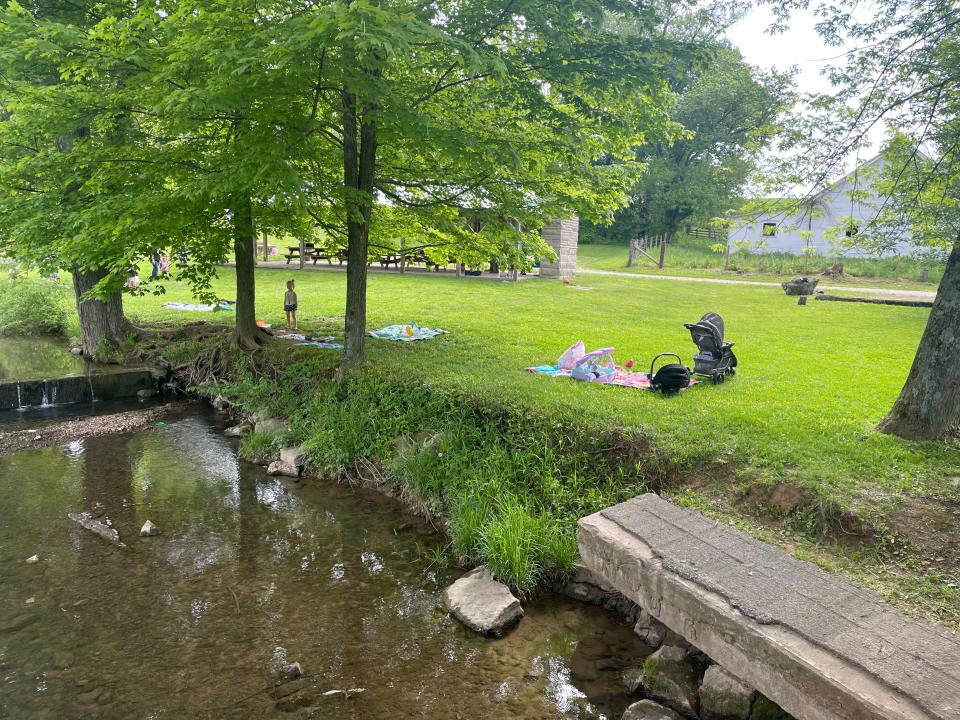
[
  {"x": 814, "y": 643},
  {"x": 112, "y": 385}
]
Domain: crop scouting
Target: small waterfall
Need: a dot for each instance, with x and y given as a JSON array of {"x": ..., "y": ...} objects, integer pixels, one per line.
[
  {"x": 19, "y": 398},
  {"x": 50, "y": 388},
  {"x": 93, "y": 398}
]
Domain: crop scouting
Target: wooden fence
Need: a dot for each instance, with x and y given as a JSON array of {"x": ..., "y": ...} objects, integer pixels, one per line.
[
  {"x": 708, "y": 233},
  {"x": 652, "y": 247}
]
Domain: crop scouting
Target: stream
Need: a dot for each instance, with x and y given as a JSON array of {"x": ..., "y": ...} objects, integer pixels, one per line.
[{"x": 251, "y": 573}]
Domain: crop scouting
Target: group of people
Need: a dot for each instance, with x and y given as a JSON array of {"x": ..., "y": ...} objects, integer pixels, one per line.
[{"x": 160, "y": 263}]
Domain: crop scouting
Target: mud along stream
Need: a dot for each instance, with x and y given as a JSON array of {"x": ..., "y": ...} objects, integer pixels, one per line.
[{"x": 250, "y": 574}]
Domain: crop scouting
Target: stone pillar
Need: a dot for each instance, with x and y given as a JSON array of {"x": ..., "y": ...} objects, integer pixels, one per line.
[{"x": 562, "y": 236}]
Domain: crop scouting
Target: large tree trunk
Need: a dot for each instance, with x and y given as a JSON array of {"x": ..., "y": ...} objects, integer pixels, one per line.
[
  {"x": 359, "y": 164},
  {"x": 101, "y": 321},
  {"x": 929, "y": 404},
  {"x": 246, "y": 334}
]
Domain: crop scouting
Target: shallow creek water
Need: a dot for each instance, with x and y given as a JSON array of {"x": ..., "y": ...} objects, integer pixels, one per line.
[{"x": 250, "y": 573}]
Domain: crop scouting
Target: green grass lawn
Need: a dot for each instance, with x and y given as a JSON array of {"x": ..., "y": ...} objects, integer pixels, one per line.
[
  {"x": 813, "y": 382},
  {"x": 689, "y": 258}
]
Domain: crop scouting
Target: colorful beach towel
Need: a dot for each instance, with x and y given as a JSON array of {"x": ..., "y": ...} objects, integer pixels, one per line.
[
  {"x": 621, "y": 376},
  {"x": 405, "y": 333},
  {"x": 596, "y": 366},
  {"x": 193, "y": 307}
]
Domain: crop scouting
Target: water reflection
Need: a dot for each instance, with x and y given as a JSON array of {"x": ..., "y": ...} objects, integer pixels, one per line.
[
  {"x": 247, "y": 576},
  {"x": 34, "y": 358}
]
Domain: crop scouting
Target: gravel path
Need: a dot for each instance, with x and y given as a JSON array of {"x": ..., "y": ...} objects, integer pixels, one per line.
[{"x": 886, "y": 292}]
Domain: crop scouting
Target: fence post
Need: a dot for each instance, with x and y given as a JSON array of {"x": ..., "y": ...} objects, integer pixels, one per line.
[
  {"x": 663, "y": 250},
  {"x": 632, "y": 253}
]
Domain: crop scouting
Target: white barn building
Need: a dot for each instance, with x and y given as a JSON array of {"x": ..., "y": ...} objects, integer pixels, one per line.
[{"x": 820, "y": 221}]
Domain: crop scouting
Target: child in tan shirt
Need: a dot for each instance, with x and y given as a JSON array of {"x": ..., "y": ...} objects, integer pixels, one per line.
[{"x": 290, "y": 306}]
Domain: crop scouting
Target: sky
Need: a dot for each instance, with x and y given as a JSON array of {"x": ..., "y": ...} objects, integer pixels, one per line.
[{"x": 799, "y": 46}]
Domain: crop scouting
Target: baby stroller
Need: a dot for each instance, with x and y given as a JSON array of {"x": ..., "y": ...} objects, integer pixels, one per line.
[{"x": 715, "y": 359}]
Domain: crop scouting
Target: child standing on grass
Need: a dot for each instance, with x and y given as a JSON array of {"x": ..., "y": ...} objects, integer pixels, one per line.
[{"x": 290, "y": 306}]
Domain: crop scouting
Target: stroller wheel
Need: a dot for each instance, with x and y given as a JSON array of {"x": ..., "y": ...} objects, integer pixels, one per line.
[
  {"x": 717, "y": 378},
  {"x": 732, "y": 371}
]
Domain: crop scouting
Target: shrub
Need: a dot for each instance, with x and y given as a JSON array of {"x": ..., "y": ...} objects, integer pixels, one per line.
[{"x": 32, "y": 307}]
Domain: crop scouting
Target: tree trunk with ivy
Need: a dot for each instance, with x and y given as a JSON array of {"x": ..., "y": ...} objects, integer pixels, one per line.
[
  {"x": 103, "y": 326},
  {"x": 929, "y": 404}
]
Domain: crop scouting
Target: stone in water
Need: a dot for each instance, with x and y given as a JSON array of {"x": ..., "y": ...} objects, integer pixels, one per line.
[
  {"x": 149, "y": 529},
  {"x": 649, "y": 710},
  {"x": 278, "y": 467},
  {"x": 481, "y": 603},
  {"x": 86, "y": 521}
]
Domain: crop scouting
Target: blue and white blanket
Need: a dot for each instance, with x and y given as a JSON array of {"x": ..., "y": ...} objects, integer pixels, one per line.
[{"x": 405, "y": 333}]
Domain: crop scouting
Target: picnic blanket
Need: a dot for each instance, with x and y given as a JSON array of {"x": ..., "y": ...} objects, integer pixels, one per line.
[
  {"x": 193, "y": 307},
  {"x": 622, "y": 376},
  {"x": 329, "y": 344},
  {"x": 597, "y": 364},
  {"x": 311, "y": 340},
  {"x": 405, "y": 333}
]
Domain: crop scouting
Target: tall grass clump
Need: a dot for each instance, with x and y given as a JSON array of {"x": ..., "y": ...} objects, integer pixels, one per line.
[
  {"x": 514, "y": 548},
  {"x": 32, "y": 307}
]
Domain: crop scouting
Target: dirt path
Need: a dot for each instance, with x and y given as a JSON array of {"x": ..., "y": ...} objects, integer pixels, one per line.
[
  {"x": 64, "y": 432},
  {"x": 886, "y": 292}
]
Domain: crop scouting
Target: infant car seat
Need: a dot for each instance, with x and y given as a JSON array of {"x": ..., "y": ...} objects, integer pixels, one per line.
[{"x": 671, "y": 377}]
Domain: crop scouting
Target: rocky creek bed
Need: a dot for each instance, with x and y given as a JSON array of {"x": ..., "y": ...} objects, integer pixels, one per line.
[{"x": 249, "y": 574}]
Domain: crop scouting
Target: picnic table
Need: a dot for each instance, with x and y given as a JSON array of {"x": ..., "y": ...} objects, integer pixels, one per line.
[
  {"x": 389, "y": 259},
  {"x": 329, "y": 255},
  {"x": 293, "y": 252}
]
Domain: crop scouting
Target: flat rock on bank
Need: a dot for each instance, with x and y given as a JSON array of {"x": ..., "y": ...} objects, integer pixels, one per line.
[{"x": 482, "y": 603}]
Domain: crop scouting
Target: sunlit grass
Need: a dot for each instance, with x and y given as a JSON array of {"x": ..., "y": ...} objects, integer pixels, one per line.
[{"x": 694, "y": 258}]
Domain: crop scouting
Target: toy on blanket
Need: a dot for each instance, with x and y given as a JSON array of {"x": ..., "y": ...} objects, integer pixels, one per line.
[{"x": 597, "y": 366}]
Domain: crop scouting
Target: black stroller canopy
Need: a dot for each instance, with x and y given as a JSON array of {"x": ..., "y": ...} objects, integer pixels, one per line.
[{"x": 707, "y": 333}]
